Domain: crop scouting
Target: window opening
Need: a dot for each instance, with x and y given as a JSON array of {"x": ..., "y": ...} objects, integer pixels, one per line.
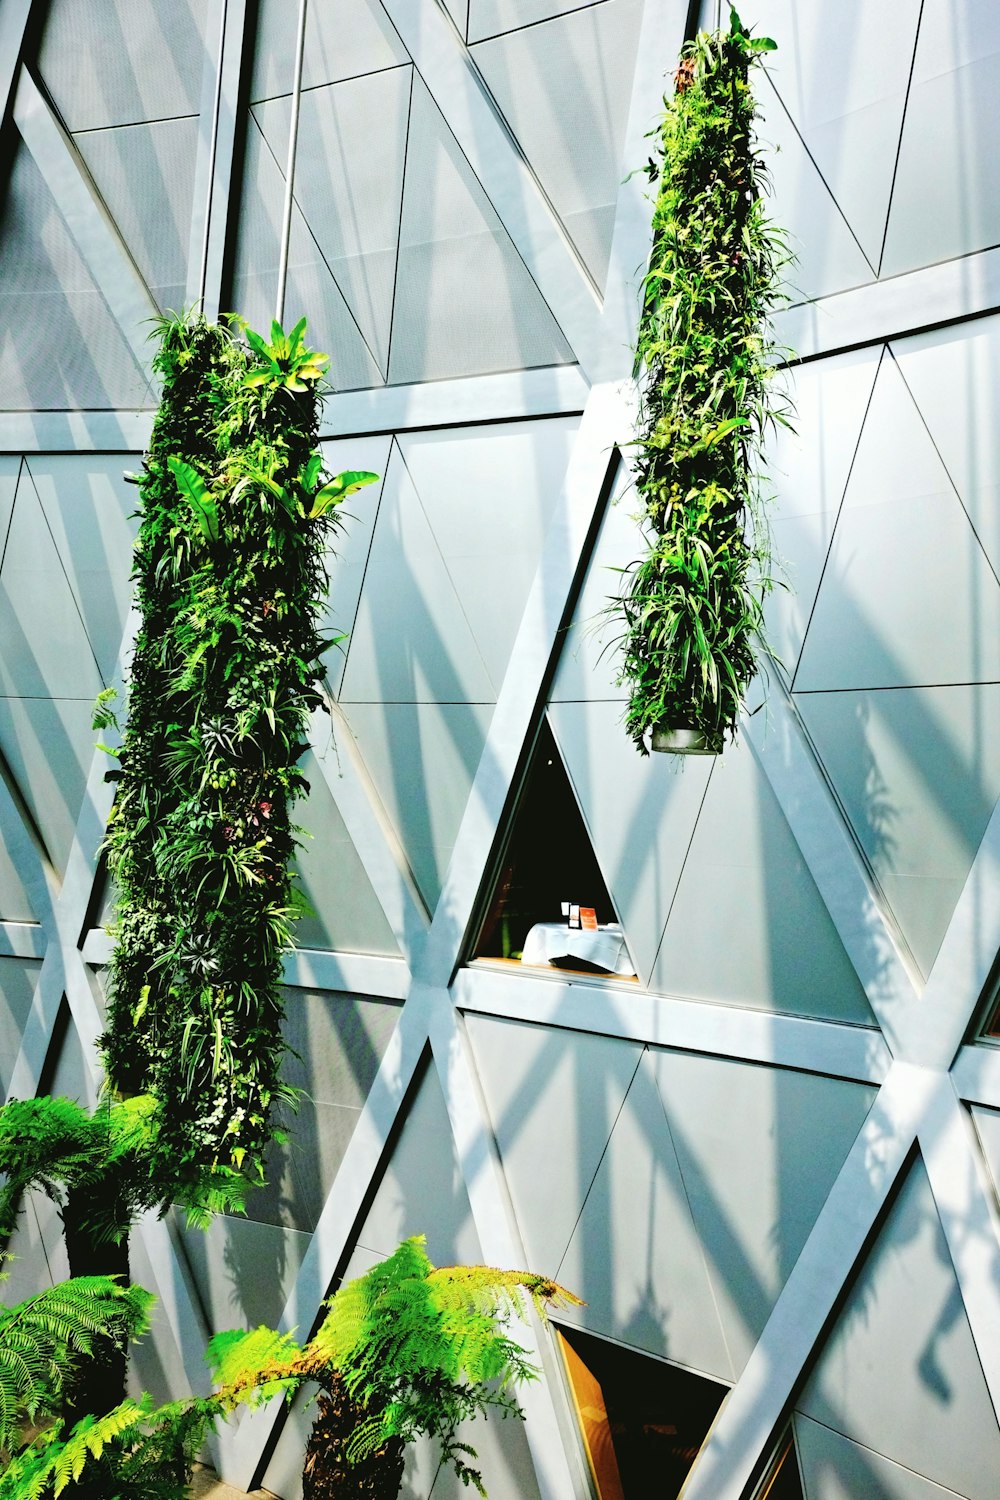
[
  {"x": 782, "y": 1480},
  {"x": 549, "y": 864},
  {"x": 643, "y": 1421}
]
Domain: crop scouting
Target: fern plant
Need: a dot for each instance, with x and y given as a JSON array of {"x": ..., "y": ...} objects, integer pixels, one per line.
[
  {"x": 690, "y": 610},
  {"x": 235, "y": 518},
  {"x": 43, "y": 1338},
  {"x": 96, "y": 1168},
  {"x": 404, "y": 1351}
]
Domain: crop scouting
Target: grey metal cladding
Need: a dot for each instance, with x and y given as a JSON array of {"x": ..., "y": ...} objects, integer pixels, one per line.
[{"x": 900, "y": 1369}]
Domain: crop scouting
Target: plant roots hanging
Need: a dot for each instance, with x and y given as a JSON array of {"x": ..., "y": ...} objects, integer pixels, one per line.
[
  {"x": 230, "y": 576},
  {"x": 692, "y": 607}
]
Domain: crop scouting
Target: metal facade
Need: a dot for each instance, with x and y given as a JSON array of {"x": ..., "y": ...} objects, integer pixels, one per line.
[{"x": 774, "y": 1160}]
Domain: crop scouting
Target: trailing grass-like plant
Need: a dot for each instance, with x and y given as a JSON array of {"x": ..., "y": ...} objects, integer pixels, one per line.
[
  {"x": 691, "y": 608},
  {"x": 236, "y": 514}
]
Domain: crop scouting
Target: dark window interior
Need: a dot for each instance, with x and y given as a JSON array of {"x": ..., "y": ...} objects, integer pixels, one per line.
[
  {"x": 548, "y": 859},
  {"x": 657, "y": 1417}
]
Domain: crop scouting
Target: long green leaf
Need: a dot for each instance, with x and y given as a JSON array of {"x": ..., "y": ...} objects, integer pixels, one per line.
[{"x": 194, "y": 490}]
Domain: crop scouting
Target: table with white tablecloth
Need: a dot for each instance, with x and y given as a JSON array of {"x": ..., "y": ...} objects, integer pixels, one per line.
[{"x": 604, "y": 946}]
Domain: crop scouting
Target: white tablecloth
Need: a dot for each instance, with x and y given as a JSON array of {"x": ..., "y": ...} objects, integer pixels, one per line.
[{"x": 605, "y": 947}]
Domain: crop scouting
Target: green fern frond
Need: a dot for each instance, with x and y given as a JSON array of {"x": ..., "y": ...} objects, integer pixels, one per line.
[{"x": 41, "y": 1337}]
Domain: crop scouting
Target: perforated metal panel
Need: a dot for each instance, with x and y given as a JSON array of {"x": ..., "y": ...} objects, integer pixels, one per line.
[
  {"x": 145, "y": 174},
  {"x": 311, "y": 290},
  {"x": 113, "y": 62},
  {"x": 59, "y": 346},
  {"x": 465, "y": 303},
  {"x": 561, "y": 88},
  {"x": 347, "y": 40}
]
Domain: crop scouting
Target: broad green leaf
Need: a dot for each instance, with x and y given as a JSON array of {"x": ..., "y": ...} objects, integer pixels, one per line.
[
  {"x": 194, "y": 490},
  {"x": 345, "y": 484}
]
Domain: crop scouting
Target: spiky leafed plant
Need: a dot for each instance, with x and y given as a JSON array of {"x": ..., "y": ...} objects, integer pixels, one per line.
[
  {"x": 404, "y": 1351},
  {"x": 235, "y": 519},
  {"x": 691, "y": 608}
]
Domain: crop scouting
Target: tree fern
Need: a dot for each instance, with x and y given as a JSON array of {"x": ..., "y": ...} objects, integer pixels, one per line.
[
  {"x": 404, "y": 1351},
  {"x": 42, "y": 1338}
]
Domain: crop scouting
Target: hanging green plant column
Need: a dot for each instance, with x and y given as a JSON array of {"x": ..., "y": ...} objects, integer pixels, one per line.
[
  {"x": 691, "y": 607},
  {"x": 230, "y": 576}
]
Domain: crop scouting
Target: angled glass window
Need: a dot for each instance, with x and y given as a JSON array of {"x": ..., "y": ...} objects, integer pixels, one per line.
[
  {"x": 782, "y": 1480},
  {"x": 642, "y": 1420},
  {"x": 550, "y": 906}
]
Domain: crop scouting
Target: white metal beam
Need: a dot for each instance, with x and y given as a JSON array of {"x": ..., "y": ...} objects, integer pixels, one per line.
[
  {"x": 626, "y": 1011},
  {"x": 93, "y": 230},
  {"x": 446, "y": 66},
  {"x": 217, "y": 129}
]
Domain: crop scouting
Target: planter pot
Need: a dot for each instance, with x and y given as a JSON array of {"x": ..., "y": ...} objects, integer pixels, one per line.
[{"x": 682, "y": 740}]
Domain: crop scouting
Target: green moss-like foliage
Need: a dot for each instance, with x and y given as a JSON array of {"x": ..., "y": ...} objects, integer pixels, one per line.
[
  {"x": 691, "y": 607},
  {"x": 235, "y": 520}
]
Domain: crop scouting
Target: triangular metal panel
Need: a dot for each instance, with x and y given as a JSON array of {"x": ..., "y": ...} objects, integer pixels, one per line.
[
  {"x": 49, "y": 745},
  {"x": 834, "y": 1468},
  {"x": 10, "y": 470},
  {"x": 640, "y": 816},
  {"x": 635, "y": 1255},
  {"x": 759, "y": 1149},
  {"x": 343, "y": 41},
  {"x": 828, "y": 257},
  {"x": 946, "y": 196},
  {"x": 15, "y": 903},
  {"x": 808, "y": 468},
  {"x": 902, "y": 538},
  {"x": 18, "y": 978},
  {"x": 587, "y": 667},
  {"x": 60, "y": 347},
  {"x": 46, "y": 652},
  {"x": 145, "y": 175},
  {"x": 89, "y": 511},
  {"x": 488, "y": 494},
  {"x": 899, "y": 1372},
  {"x": 243, "y": 1270},
  {"x": 434, "y": 656},
  {"x": 488, "y": 18},
  {"x": 465, "y": 302},
  {"x": 336, "y": 1042},
  {"x": 564, "y": 89},
  {"x": 845, "y": 88},
  {"x": 553, "y": 1099},
  {"x": 422, "y": 758},
  {"x": 918, "y": 774},
  {"x": 310, "y": 290},
  {"x": 953, "y": 375},
  {"x": 347, "y": 556},
  {"x": 346, "y": 914},
  {"x": 748, "y": 926},
  {"x": 116, "y": 62},
  {"x": 349, "y": 186}
]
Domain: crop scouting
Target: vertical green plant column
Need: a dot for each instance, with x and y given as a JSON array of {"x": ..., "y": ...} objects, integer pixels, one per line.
[
  {"x": 230, "y": 577},
  {"x": 691, "y": 608}
]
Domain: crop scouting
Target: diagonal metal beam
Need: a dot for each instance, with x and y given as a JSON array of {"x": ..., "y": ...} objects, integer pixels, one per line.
[
  {"x": 833, "y": 860},
  {"x": 446, "y": 66},
  {"x": 217, "y": 134},
  {"x": 496, "y": 1226},
  {"x": 744, "y": 1432},
  {"x": 93, "y": 230},
  {"x": 966, "y": 1203}
]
